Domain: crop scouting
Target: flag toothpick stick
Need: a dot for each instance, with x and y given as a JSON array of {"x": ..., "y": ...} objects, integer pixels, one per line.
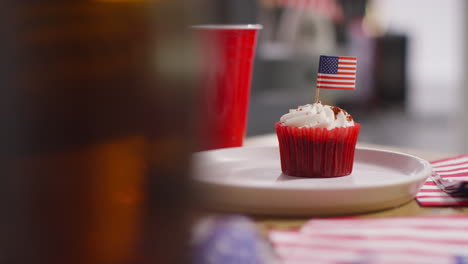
[{"x": 317, "y": 94}]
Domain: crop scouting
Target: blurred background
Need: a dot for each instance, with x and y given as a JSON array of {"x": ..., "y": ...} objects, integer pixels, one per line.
[
  {"x": 95, "y": 156},
  {"x": 411, "y": 64}
]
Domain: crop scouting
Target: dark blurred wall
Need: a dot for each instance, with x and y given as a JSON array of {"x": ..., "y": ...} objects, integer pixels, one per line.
[{"x": 229, "y": 12}]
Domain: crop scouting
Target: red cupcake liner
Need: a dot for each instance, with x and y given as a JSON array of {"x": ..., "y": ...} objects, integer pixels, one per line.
[{"x": 317, "y": 152}]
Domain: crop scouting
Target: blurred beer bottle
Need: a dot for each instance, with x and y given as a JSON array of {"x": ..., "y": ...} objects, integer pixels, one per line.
[{"x": 94, "y": 141}]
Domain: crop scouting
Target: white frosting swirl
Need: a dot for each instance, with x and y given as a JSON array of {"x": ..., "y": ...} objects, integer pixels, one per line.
[{"x": 317, "y": 115}]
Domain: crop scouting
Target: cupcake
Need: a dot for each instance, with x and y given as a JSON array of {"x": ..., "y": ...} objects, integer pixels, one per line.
[{"x": 317, "y": 141}]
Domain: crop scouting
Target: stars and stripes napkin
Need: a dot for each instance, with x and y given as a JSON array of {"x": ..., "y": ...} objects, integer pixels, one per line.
[
  {"x": 451, "y": 172},
  {"x": 400, "y": 240}
]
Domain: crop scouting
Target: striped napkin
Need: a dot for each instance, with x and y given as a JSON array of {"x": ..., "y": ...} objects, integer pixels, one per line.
[
  {"x": 401, "y": 240},
  {"x": 451, "y": 171}
]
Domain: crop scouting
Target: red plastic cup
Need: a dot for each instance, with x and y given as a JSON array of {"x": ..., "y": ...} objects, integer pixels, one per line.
[{"x": 227, "y": 55}]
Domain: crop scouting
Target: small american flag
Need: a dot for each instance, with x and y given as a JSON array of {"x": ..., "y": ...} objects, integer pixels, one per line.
[
  {"x": 394, "y": 240},
  {"x": 452, "y": 175},
  {"x": 337, "y": 72}
]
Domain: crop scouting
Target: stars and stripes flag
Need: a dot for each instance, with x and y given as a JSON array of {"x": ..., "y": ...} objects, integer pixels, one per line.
[
  {"x": 392, "y": 240},
  {"x": 452, "y": 173},
  {"x": 337, "y": 72}
]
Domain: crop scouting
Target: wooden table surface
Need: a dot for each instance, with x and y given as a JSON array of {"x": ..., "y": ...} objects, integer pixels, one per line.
[{"x": 409, "y": 209}]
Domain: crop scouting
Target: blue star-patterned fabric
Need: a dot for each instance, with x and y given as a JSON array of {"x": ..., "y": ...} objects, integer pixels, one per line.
[
  {"x": 230, "y": 240},
  {"x": 461, "y": 259},
  {"x": 328, "y": 64}
]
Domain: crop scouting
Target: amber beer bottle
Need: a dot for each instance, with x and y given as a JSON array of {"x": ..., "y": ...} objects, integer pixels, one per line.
[{"x": 94, "y": 114}]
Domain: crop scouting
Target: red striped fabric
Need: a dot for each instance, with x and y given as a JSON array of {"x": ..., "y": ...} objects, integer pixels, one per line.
[
  {"x": 327, "y": 8},
  {"x": 453, "y": 169},
  {"x": 399, "y": 240}
]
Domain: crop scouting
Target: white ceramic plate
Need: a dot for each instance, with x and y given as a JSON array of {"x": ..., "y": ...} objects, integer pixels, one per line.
[{"x": 249, "y": 180}]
